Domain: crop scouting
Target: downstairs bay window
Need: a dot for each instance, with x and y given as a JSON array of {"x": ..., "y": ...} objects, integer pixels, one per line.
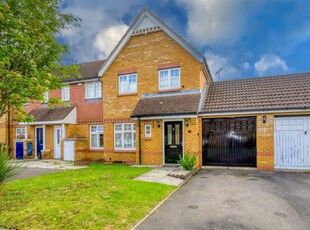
[{"x": 124, "y": 136}]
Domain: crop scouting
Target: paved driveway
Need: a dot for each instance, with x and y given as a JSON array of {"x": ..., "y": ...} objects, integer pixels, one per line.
[
  {"x": 32, "y": 172},
  {"x": 237, "y": 199}
]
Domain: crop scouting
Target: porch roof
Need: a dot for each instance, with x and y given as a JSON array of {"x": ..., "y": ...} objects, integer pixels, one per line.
[
  {"x": 57, "y": 115},
  {"x": 167, "y": 105}
]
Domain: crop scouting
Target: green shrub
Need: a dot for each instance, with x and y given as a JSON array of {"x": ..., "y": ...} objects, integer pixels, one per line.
[
  {"x": 188, "y": 162},
  {"x": 8, "y": 170}
]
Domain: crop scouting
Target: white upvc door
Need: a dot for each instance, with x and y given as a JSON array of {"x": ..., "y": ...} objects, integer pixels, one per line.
[
  {"x": 292, "y": 142},
  {"x": 57, "y": 141}
]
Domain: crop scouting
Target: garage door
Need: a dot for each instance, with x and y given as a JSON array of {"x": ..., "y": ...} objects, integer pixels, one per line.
[
  {"x": 229, "y": 142},
  {"x": 292, "y": 142}
]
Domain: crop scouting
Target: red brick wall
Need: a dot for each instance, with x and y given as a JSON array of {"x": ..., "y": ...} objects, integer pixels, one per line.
[{"x": 87, "y": 111}]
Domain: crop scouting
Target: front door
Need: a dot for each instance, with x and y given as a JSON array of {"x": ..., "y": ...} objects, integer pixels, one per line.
[
  {"x": 57, "y": 138},
  {"x": 173, "y": 141},
  {"x": 39, "y": 141}
]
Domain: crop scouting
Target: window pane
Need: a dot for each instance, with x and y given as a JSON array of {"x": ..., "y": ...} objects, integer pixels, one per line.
[
  {"x": 99, "y": 128},
  {"x": 98, "y": 89},
  {"x": 127, "y": 127},
  {"x": 93, "y": 139},
  {"x": 175, "y": 82},
  {"x": 90, "y": 90},
  {"x": 164, "y": 79},
  {"x": 123, "y": 84},
  {"x": 100, "y": 140},
  {"x": 128, "y": 140},
  {"x": 118, "y": 140},
  {"x": 118, "y": 127},
  {"x": 177, "y": 134},
  {"x": 133, "y": 83},
  {"x": 169, "y": 136},
  {"x": 93, "y": 128},
  {"x": 134, "y": 140}
]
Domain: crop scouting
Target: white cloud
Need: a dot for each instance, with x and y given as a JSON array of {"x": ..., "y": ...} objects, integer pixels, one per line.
[
  {"x": 100, "y": 20},
  {"x": 216, "y": 62},
  {"x": 217, "y": 22},
  {"x": 107, "y": 39},
  {"x": 270, "y": 64},
  {"x": 246, "y": 65}
]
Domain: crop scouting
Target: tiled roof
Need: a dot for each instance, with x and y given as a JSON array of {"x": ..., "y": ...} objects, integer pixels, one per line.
[
  {"x": 88, "y": 70},
  {"x": 50, "y": 114},
  {"x": 167, "y": 105},
  {"x": 266, "y": 93}
]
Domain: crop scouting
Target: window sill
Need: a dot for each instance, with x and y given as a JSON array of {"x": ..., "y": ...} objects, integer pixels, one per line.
[
  {"x": 96, "y": 150},
  {"x": 126, "y": 94},
  {"x": 93, "y": 100},
  {"x": 124, "y": 151},
  {"x": 169, "y": 90},
  {"x": 147, "y": 138}
]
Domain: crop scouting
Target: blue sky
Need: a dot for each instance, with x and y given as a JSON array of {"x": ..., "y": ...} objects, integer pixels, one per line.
[{"x": 246, "y": 38}]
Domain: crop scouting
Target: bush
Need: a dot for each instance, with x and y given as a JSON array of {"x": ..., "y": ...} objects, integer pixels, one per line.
[
  {"x": 188, "y": 162},
  {"x": 8, "y": 170}
]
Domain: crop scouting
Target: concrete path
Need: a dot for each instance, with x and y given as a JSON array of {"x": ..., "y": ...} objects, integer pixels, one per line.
[
  {"x": 48, "y": 164},
  {"x": 162, "y": 175},
  {"x": 237, "y": 199},
  {"x": 33, "y": 172}
]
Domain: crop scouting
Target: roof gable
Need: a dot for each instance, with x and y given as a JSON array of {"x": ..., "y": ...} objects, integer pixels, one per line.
[{"x": 144, "y": 23}]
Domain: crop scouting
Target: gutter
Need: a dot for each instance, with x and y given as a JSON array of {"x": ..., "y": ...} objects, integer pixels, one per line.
[
  {"x": 253, "y": 111},
  {"x": 171, "y": 115},
  {"x": 140, "y": 150}
]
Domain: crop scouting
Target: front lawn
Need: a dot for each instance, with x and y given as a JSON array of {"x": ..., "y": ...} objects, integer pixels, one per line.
[{"x": 98, "y": 197}]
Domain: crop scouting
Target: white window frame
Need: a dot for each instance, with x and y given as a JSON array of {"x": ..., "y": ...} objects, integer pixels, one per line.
[
  {"x": 169, "y": 79},
  {"x": 17, "y": 133},
  {"x": 122, "y": 132},
  {"x": 95, "y": 83},
  {"x": 147, "y": 135},
  {"x": 127, "y": 83},
  {"x": 98, "y": 136},
  {"x": 65, "y": 93}
]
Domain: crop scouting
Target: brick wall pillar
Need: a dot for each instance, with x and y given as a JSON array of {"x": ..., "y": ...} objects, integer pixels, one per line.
[{"x": 265, "y": 142}]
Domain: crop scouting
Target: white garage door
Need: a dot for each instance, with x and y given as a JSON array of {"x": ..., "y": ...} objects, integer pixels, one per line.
[{"x": 292, "y": 142}]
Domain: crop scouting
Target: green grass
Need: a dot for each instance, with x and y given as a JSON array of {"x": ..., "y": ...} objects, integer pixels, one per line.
[{"x": 98, "y": 197}]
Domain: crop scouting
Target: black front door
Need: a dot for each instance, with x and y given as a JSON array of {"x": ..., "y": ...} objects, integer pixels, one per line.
[
  {"x": 229, "y": 141},
  {"x": 173, "y": 141}
]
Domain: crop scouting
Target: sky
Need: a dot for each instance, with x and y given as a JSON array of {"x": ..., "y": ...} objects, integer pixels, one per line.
[{"x": 243, "y": 38}]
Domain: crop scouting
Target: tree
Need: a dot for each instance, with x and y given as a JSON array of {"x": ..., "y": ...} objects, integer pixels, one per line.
[{"x": 30, "y": 56}]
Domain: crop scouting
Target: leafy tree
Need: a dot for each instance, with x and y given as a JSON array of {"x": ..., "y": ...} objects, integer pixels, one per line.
[{"x": 30, "y": 56}]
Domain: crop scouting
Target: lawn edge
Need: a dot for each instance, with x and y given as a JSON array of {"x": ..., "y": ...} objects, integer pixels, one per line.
[{"x": 194, "y": 172}]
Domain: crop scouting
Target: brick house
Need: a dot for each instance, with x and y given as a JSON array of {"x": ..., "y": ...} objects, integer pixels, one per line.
[
  {"x": 79, "y": 122},
  {"x": 153, "y": 99}
]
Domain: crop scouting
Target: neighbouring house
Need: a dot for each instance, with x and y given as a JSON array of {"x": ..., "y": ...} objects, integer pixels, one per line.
[
  {"x": 76, "y": 128},
  {"x": 153, "y": 99}
]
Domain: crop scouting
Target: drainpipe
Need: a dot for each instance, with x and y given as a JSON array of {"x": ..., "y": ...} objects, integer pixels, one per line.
[
  {"x": 9, "y": 131},
  {"x": 139, "y": 122}
]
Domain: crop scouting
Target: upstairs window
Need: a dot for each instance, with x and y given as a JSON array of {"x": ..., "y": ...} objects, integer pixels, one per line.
[
  {"x": 93, "y": 90},
  {"x": 169, "y": 79},
  {"x": 96, "y": 136},
  {"x": 65, "y": 93},
  {"x": 127, "y": 83}
]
